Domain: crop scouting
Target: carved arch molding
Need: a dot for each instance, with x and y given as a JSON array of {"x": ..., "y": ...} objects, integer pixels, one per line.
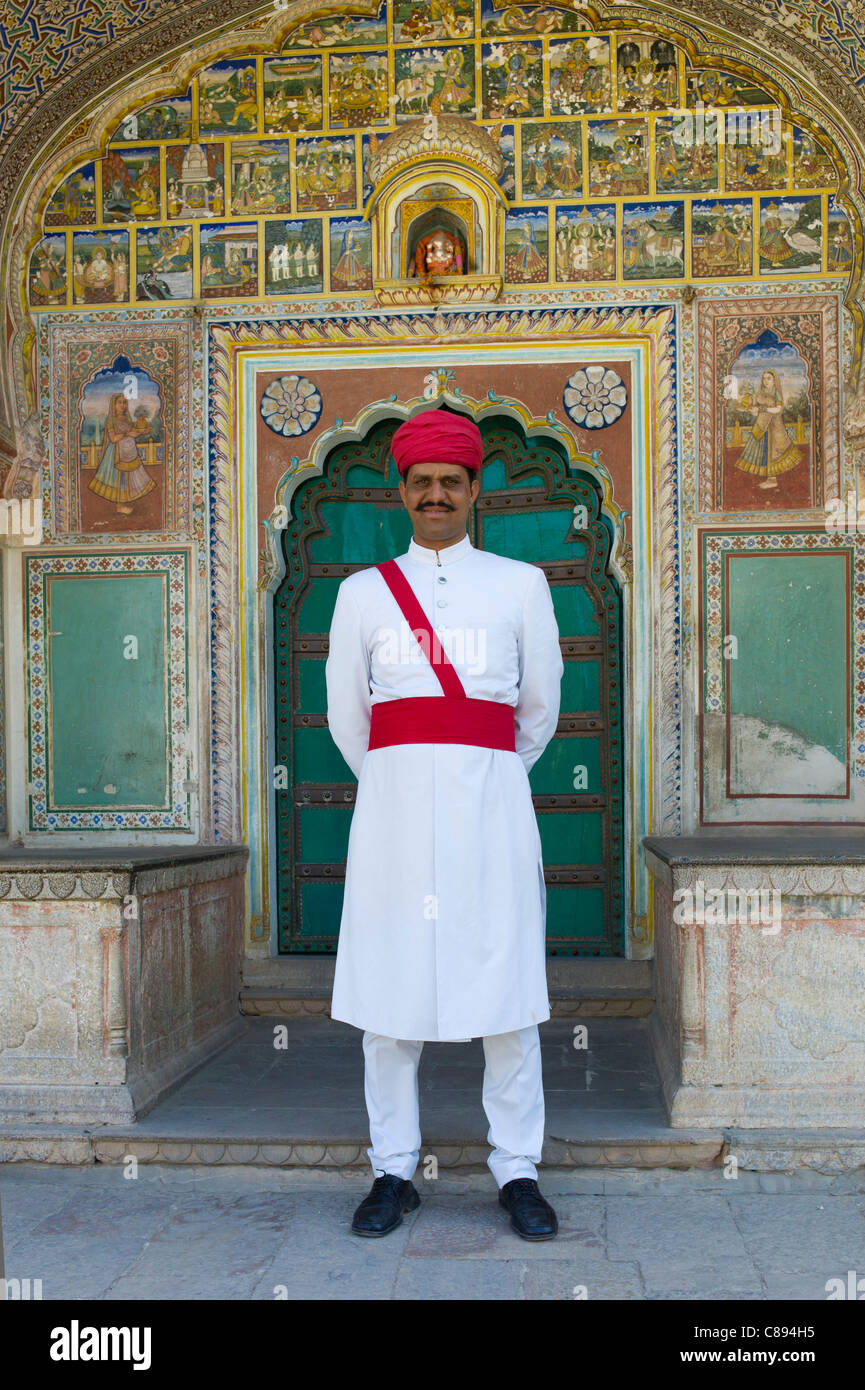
[{"x": 118, "y": 43}]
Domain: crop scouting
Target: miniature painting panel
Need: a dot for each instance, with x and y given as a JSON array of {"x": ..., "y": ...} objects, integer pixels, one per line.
[
  {"x": 647, "y": 73},
  {"x": 293, "y": 256},
  {"x": 552, "y": 160},
  {"x": 326, "y": 174},
  {"x": 228, "y": 98},
  {"x": 194, "y": 177},
  {"x": 229, "y": 260},
  {"x": 618, "y": 158},
  {"x": 513, "y": 80},
  {"x": 47, "y": 277},
  {"x": 350, "y": 254},
  {"x": 526, "y": 246},
  {"x": 293, "y": 93},
  {"x": 415, "y": 22},
  {"x": 580, "y": 76},
  {"x": 586, "y": 243},
  {"x": 164, "y": 257},
  {"x": 653, "y": 241},
  {"x": 73, "y": 204},
  {"x": 755, "y": 151},
  {"x": 130, "y": 185},
  {"x": 260, "y": 177},
  {"x": 686, "y": 161},
  {"x": 791, "y": 236},
  {"x": 436, "y": 80},
  {"x": 100, "y": 267},
  {"x": 722, "y": 238}
]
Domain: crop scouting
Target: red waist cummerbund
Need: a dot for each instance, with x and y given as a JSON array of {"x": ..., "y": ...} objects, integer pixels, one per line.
[{"x": 442, "y": 719}]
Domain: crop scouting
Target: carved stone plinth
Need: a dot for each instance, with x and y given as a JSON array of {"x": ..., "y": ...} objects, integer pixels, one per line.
[
  {"x": 759, "y": 979},
  {"x": 117, "y": 978}
]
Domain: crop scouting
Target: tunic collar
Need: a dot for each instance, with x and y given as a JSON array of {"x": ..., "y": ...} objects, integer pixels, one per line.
[{"x": 447, "y": 555}]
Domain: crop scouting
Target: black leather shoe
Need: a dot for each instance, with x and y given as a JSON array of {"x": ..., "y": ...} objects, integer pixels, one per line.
[
  {"x": 382, "y": 1209},
  {"x": 532, "y": 1217}
]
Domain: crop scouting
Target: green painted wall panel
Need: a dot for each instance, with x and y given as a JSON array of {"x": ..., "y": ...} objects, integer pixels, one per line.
[
  {"x": 789, "y": 616},
  {"x": 108, "y": 714}
]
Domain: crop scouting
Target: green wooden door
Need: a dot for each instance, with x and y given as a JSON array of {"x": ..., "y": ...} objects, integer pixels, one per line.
[{"x": 353, "y": 517}]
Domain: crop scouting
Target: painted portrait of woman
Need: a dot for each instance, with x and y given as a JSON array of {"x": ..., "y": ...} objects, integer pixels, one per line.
[
  {"x": 768, "y": 449},
  {"x": 121, "y": 477}
]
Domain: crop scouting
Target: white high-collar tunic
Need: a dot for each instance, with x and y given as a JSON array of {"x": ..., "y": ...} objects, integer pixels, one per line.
[{"x": 444, "y": 915}]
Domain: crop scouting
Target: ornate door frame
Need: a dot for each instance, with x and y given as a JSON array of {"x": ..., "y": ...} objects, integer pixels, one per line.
[{"x": 244, "y": 579}]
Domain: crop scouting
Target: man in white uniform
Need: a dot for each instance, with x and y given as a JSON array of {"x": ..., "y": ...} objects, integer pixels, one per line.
[{"x": 443, "y": 689}]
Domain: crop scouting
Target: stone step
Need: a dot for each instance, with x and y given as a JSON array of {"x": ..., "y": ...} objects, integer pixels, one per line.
[{"x": 301, "y": 986}]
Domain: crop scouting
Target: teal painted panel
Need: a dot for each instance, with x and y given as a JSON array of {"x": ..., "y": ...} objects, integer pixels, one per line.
[
  {"x": 789, "y": 616},
  {"x": 553, "y": 773},
  {"x": 575, "y": 612},
  {"x": 324, "y": 834},
  {"x": 572, "y": 838},
  {"x": 360, "y": 533},
  {"x": 581, "y": 686},
  {"x": 317, "y": 758},
  {"x": 109, "y": 715},
  {"x": 316, "y": 607},
  {"x": 359, "y": 475},
  {"x": 533, "y": 536},
  {"x": 576, "y": 911},
  {"x": 312, "y": 686},
  {"x": 320, "y": 912}
]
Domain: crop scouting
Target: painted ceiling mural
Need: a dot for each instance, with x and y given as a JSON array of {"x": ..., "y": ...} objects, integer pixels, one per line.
[{"x": 624, "y": 161}]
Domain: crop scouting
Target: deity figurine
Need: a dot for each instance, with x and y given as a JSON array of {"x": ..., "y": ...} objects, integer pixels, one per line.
[{"x": 439, "y": 253}]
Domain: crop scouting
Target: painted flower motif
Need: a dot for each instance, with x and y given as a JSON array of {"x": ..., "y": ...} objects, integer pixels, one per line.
[
  {"x": 595, "y": 396},
  {"x": 291, "y": 405}
]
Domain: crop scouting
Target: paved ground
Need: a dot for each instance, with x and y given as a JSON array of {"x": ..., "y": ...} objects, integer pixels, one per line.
[{"x": 250, "y": 1233}]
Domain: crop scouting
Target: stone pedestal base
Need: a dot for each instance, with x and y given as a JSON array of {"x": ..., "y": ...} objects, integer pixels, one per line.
[
  {"x": 119, "y": 975},
  {"x": 759, "y": 1019}
]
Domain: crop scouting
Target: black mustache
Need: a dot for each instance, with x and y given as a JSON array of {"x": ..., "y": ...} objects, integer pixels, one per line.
[{"x": 442, "y": 505}]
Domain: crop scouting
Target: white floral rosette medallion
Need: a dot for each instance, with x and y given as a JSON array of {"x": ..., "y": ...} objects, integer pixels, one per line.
[{"x": 595, "y": 396}]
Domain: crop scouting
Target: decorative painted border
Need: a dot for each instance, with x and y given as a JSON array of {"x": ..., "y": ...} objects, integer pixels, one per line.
[
  {"x": 709, "y": 313},
  {"x": 58, "y": 489},
  {"x": 174, "y": 564},
  {"x": 3, "y": 788},
  {"x": 717, "y": 544}
]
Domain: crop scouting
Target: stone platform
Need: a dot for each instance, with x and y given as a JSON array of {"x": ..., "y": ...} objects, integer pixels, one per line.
[{"x": 301, "y": 1104}]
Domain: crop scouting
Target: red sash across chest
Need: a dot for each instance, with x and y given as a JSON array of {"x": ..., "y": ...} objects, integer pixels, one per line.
[{"x": 448, "y": 718}]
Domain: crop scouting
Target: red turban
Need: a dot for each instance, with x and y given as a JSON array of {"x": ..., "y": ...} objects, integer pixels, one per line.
[{"x": 437, "y": 436}]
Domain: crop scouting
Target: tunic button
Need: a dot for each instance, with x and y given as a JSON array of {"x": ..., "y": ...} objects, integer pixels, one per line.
[
  {"x": 442, "y": 579},
  {"x": 442, "y": 603}
]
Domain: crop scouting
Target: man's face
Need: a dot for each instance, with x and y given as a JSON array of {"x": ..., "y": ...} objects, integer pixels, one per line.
[
  {"x": 439, "y": 255},
  {"x": 438, "y": 497}
]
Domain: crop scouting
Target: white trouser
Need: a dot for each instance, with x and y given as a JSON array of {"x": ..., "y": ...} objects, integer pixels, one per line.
[{"x": 513, "y": 1099}]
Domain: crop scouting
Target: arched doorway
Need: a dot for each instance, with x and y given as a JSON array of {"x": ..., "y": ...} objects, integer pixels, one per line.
[{"x": 530, "y": 508}]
